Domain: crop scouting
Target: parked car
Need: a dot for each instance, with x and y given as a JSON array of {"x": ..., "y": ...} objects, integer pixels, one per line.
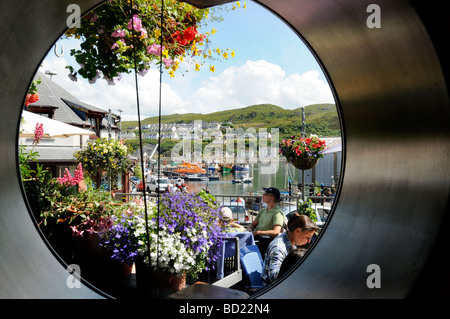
[
  {"x": 155, "y": 184},
  {"x": 238, "y": 209},
  {"x": 321, "y": 215}
]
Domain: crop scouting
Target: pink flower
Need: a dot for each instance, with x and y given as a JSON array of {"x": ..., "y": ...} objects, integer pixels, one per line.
[
  {"x": 143, "y": 33},
  {"x": 109, "y": 222},
  {"x": 70, "y": 180},
  {"x": 38, "y": 133},
  {"x": 154, "y": 49},
  {"x": 115, "y": 45},
  {"x": 119, "y": 33},
  {"x": 76, "y": 232},
  {"x": 79, "y": 173},
  {"x": 135, "y": 23},
  {"x": 167, "y": 62},
  {"x": 94, "y": 17}
]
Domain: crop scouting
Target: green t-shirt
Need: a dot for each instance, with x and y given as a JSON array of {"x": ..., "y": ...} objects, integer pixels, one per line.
[{"x": 269, "y": 218}]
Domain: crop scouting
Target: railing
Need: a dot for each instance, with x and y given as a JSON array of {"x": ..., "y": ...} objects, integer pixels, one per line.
[{"x": 252, "y": 204}]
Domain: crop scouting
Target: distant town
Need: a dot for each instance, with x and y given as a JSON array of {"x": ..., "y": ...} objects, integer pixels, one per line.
[{"x": 188, "y": 130}]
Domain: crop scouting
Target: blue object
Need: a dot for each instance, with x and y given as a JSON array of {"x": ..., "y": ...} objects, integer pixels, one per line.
[
  {"x": 252, "y": 263},
  {"x": 228, "y": 249}
]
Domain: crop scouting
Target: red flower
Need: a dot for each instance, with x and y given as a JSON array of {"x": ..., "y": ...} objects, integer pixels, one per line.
[
  {"x": 190, "y": 34},
  {"x": 31, "y": 98},
  {"x": 185, "y": 37}
]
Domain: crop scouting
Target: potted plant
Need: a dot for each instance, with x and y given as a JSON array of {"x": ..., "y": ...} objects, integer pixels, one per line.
[
  {"x": 303, "y": 153},
  {"x": 72, "y": 221},
  {"x": 104, "y": 155},
  {"x": 183, "y": 231},
  {"x": 304, "y": 208}
]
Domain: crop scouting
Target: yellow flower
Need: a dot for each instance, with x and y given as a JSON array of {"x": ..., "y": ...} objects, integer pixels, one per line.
[
  {"x": 238, "y": 4},
  {"x": 213, "y": 31},
  {"x": 171, "y": 73},
  {"x": 197, "y": 67},
  {"x": 212, "y": 68},
  {"x": 225, "y": 55},
  {"x": 157, "y": 33},
  {"x": 232, "y": 54},
  {"x": 218, "y": 51}
]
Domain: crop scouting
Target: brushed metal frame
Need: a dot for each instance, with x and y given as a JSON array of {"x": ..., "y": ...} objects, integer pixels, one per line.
[{"x": 393, "y": 202}]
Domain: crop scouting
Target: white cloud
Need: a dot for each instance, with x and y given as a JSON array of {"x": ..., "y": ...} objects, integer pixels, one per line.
[
  {"x": 122, "y": 95},
  {"x": 257, "y": 82},
  {"x": 253, "y": 82}
]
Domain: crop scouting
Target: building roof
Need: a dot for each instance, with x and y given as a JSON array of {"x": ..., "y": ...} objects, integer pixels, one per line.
[{"x": 52, "y": 95}]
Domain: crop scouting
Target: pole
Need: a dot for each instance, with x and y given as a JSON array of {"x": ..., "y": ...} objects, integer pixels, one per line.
[
  {"x": 303, "y": 171},
  {"x": 120, "y": 119}
]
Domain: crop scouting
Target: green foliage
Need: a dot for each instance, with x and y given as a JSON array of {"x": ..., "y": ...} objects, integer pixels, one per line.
[
  {"x": 119, "y": 33},
  {"x": 104, "y": 154},
  {"x": 304, "y": 208},
  {"x": 320, "y": 119},
  {"x": 137, "y": 171},
  {"x": 89, "y": 210}
]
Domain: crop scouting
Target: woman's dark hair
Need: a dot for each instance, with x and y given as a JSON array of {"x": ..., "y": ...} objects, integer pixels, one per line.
[
  {"x": 291, "y": 259},
  {"x": 301, "y": 221}
]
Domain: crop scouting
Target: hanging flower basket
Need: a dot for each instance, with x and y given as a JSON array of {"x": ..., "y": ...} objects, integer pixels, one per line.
[
  {"x": 303, "y": 153},
  {"x": 303, "y": 163}
]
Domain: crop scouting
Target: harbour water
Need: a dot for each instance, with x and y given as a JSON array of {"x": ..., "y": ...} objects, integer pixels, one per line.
[{"x": 225, "y": 185}]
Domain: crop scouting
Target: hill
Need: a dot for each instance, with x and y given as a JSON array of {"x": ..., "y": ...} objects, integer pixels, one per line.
[{"x": 320, "y": 119}]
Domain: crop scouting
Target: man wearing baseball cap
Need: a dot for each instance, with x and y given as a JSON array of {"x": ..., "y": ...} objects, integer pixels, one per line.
[
  {"x": 226, "y": 221},
  {"x": 267, "y": 224}
]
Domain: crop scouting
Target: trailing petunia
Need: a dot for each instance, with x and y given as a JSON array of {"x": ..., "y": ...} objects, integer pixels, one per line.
[{"x": 139, "y": 28}]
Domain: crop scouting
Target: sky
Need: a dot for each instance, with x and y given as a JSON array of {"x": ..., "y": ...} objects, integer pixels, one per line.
[{"x": 271, "y": 65}]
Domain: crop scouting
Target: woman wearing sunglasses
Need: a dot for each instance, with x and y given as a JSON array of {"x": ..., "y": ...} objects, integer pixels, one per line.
[{"x": 300, "y": 231}]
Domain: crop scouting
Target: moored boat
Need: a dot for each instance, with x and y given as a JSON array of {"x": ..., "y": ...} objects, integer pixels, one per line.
[
  {"x": 243, "y": 179},
  {"x": 226, "y": 168},
  {"x": 188, "y": 168},
  {"x": 241, "y": 167}
]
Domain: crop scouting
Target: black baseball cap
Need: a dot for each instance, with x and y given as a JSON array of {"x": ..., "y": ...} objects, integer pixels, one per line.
[{"x": 274, "y": 191}]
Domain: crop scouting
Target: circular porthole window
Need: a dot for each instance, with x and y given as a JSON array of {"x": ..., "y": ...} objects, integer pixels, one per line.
[{"x": 115, "y": 122}]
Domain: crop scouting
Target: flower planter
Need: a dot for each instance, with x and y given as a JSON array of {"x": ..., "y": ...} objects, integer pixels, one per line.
[
  {"x": 304, "y": 163},
  {"x": 157, "y": 284},
  {"x": 98, "y": 268}
]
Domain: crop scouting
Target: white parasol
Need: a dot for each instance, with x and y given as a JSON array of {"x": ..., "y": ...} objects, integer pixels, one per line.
[
  {"x": 333, "y": 149},
  {"x": 52, "y": 128}
]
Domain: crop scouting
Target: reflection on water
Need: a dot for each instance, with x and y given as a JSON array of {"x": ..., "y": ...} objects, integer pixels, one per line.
[{"x": 225, "y": 186}]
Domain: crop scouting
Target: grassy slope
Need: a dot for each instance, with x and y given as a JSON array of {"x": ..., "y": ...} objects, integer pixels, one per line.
[{"x": 320, "y": 119}]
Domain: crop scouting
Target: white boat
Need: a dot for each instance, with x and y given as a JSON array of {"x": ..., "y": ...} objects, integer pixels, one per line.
[
  {"x": 243, "y": 179},
  {"x": 213, "y": 167},
  {"x": 196, "y": 177}
]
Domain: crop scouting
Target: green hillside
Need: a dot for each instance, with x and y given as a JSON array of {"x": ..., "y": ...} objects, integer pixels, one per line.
[{"x": 320, "y": 119}]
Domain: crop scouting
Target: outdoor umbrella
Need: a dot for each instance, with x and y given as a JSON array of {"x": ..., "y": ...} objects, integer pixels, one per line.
[
  {"x": 52, "y": 128},
  {"x": 332, "y": 149}
]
